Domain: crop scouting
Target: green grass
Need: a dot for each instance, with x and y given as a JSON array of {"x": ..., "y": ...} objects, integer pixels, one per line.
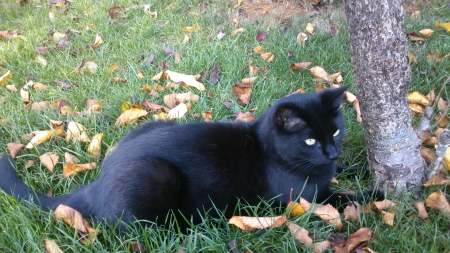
[{"x": 125, "y": 40}]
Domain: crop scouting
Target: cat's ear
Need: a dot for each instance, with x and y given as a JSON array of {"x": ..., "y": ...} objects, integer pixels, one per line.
[
  {"x": 289, "y": 120},
  {"x": 334, "y": 96}
]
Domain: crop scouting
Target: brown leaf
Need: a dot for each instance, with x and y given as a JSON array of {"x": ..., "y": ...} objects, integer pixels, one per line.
[
  {"x": 98, "y": 41},
  {"x": 260, "y": 36},
  {"x": 249, "y": 80},
  {"x": 422, "y": 212},
  {"x": 329, "y": 214},
  {"x": 49, "y": 160},
  {"x": 321, "y": 73},
  {"x": 39, "y": 137},
  {"x": 438, "y": 179},
  {"x": 70, "y": 169},
  {"x": 113, "y": 11},
  {"x": 245, "y": 117},
  {"x": 243, "y": 92},
  {"x": 360, "y": 236},
  {"x": 352, "y": 212},
  {"x": 137, "y": 247},
  {"x": 300, "y": 65},
  {"x": 51, "y": 246},
  {"x": 300, "y": 234},
  {"x": 71, "y": 217},
  {"x": 321, "y": 246},
  {"x": 119, "y": 79},
  {"x": 437, "y": 201},
  {"x": 253, "y": 70},
  {"x": 6, "y": 77},
  {"x": 207, "y": 116},
  {"x": 249, "y": 223},
  {"x": 11, "y": 34},
  {"x": 427, "y": 154},
  {"x": 388, "y": 217},
  {"x": 152, "y": 107},
  {"x": 172, "y": 100},
  {"x": 14, "y": 148}
]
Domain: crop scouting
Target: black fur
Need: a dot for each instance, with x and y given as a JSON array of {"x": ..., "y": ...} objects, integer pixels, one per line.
[{"x": 164, "y": 166}]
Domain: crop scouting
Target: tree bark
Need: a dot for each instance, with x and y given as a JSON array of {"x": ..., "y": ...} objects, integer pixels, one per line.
[{"x": 379, "y": 50}]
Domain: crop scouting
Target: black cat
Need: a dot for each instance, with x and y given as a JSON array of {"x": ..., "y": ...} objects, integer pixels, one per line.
[{"x": 188, "y": 168}]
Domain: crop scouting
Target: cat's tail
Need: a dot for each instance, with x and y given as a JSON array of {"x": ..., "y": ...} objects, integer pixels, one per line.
[{"x": 11, "y": 184}]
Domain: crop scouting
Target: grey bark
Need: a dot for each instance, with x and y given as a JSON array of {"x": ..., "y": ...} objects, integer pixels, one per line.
[{"x": 382, "y": 74}]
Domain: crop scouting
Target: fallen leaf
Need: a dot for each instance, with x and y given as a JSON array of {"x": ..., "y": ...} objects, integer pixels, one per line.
[
  {"x": 76, "y": 132},
  {"x": 360, "y": 236},
  {"x": 185, "y": 40},
  {"x": 426, "y": 32},
  {"x": 39, "y": 86},
  {"x": 51, "y": 246},
  {"x": 268, "y": 57},
  {"x": 140, "y": 75},
  {"x": 388, "y": 217},
  {"x": 415, "y": 37},
  {"x": 40, "y": 59},
  {"x": 447, "y": 159},
  {"x": 113, "y": 67},
  {"x": 161, "y": 116},
  {"x": 49, "y": 160},
  {"x": 207, "y": 116},
  {"x": 237, "y": 31},
  {"x": 6, "y": 77},
  {"x": 11, "y": 34},
  {"x": 39, "y": 137},
  {"x": 14, "y": 148},
  {"x": 245, "y": 117},
  {"x": 72, "y": 217},
  {"x": 300, "y": 234},
  {"x": 70, "y": 169},
  {"x": 119, "y": 79},
  {"x": 437, "y": 201},
  {"x": 98, "y": 41},
  {"x": 214, "y": 77},
  {"x": 321, "y": 73},
  {"x": 95, "y": 146},
  {"x": 260, "y": 36},
  {"x": 426, "y": 153},
  {"x": 446, "y": 26},
  {"x": 422, "y": 212},
  {"x": 250, "y": 223},
  {"x": 310, "y": 29},
  {"x": 253, "y": 70},
  {"x": 172, "y": 100},
  {"x": 137, "y": 247},
  {"x": 418, "y": 98},
  {"x": 190, "y": 29},
  {"x": 301, "y": 38},
  {"x": 57, "y": 36},
  {"x": 11, "y": 87},
  {"x": 86, "y": 66},
  {"x": 62, "y": 84},
  {"x": 329, "y": 214},
  {"x": 178, "y": 111},
  {"x": 300, "y": 65},
  {"x": 69, "y": 158},
  {"x": 221, "y": 35},
  {"x": 154, "y": 107},
  {"x": 131, "y": 115},
  {"x": 243, "y": 92},
  {"x": 295, "y": 209},
  {"x": 249, "y": 80},
  {"x": 416, "y": 15},
  {"x": 352, "y": 211},
  {"x": 113, "y": 11},
  {"x": 189, "y": 80}
]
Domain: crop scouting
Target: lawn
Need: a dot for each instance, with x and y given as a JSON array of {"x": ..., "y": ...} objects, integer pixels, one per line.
[{"x": 140, "y": 40}]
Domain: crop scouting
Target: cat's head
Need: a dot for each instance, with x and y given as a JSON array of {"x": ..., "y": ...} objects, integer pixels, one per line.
[{"x": 308, "y": 128}]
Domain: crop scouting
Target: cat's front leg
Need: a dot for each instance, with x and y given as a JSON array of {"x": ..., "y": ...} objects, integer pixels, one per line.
[{"x": 340, "y": 199}]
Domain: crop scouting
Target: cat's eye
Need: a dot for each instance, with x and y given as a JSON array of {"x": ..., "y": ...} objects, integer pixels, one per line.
[
  {"x": 310, "y": 141},
  {"x": 336, "y": 133}
]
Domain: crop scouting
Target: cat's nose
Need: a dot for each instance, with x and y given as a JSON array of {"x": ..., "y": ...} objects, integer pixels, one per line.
[{"x": 331, "y": 153}]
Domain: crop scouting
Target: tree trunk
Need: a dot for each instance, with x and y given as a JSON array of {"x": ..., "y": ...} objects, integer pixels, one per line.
[{"x": 379, "y": 50}]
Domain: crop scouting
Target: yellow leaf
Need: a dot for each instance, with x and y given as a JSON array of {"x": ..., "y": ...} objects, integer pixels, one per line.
[
  {"x": 249, "y": 223},
  {"x": 437, "y": 201},
  {"x": 51, "y": 246},
  {"x": 125, "y": 106},
  {"x": 70, "y": 169},
  {"x": 95, "y": 146},
  {"x": 140, "y": 75},
  {"x": 113, "y": 67},
  {"x": 39, "y": 137},
  {"x": 40, "y": 59},
  {"x": 447, "y": 159},
  {"x": 446, "y": 26},
  {"x": 190, "y": 29},
  {"x": 249, "y": 80},
  {"x": 310, "y": 28},
  {"x": 6, "y": 77},
  {"x": 76, "y": 132},
  {"x": 259, "y": 50},
  {"x": 416, "y": 15},
  {"x": 11, "y": 87},
  {"x": 418, "y": 98},
  {"x": 295, "y": 208},
  {"x": 98, "y": 41},
  {"x": 161, "y": 116},
  {"x": 237, "y": 31},
  {"x": 130, "y": 115},
  {"x": 57, "y": 36},
  {"x": 426, "y": 32}
]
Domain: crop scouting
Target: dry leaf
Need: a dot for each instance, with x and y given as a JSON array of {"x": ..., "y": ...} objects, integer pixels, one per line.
[
  {"x": 416, "y": 15},
  {"x": 119, "y": 79},
  {"x": 190, "y": 29},
  {"x": 243, "y": 92},
  {"x": 40, "y": 59},
  {"x": 426, "y": 32},
  {"x": 259, "y": 50},
  {"x": 245, "y": 117},
  {"x": 11, "y": 34},
  {"x": 388, "y": 217},
  {"x": 49, "y": 160},
  {"x": 426, "y": 153},
  {"x": 172, "y": 100},
  {"x": 249, "y": 80},
  {"x": 296, "y": 209},
  {"x": 359, "y": 237},
  {"x": 69, "y": 158},
  {"x": 6, "y": 77},
  {"x": 152, "y": 107},
  {"x": 178, "y": 111},
  {"x": 447, "y": 159},
  {"x": 422, "y": 212},
  {"x": 446, "y": 26},
  {"x": 39, "y": 86},
  {"x": 207, "y": 116},
  {"x": 268, "y": 57},
  {"x": 95, "y": 146},
  {"x": 185, "y": 40},
  {"x": 437, "y": 201},
  {"x": 300, "y": 234},
  {"x": 14, "y": 148},
  {"x": 137, "y": 247},
  {"x": 310, "y": 29},
  {"x": 140, "y": 75},
  {"x": 57, "y": 36},
  {"x": 321, "y": 73},
  {"x": 131, "y": 115},
  {"x": 253, "y": 70},
  {"x": 76, "y": 132},
  {"x": 300, "y": 65},
  {"x": 385, "y": 204},
  {"x": 237, "y": 31},
  {"x": 189, "y": 80},
  {"x": 98, "y": 41},
  {"x": 329, "y": 214},
  {"x": 301, "y": 38},
  {"x": 39, "y": 137},
  {"x": 438, "y": 179},
  {"x": 321, "y": 246},
  {"x": 70, "y": 169},
  {"x": 250, "y": 223},
  {"x": 51, "y": 246},
  {"x": 86, "y": 66},
  {"x": 161, "y": 116},
  {"x": 71, "y": 217},
  {"x": 352, "y": 211}
]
